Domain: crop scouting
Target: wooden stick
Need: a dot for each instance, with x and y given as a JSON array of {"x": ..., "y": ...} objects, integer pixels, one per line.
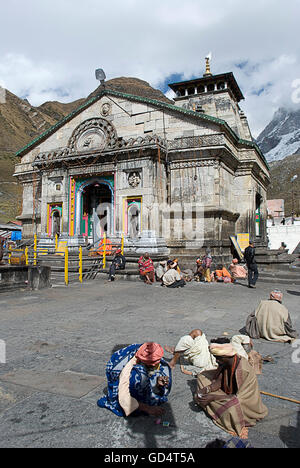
[{"x": 281, "y": 397}]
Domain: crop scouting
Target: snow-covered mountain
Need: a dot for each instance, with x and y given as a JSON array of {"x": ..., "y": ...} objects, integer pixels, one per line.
[{"x": 281, "y": 137}]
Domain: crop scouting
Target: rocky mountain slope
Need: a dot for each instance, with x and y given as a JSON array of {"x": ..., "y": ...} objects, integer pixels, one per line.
[
  {"x": 20, "y": 123},
  {"x": 281, "y": 137},
  {"x": 282, "y": 173}
]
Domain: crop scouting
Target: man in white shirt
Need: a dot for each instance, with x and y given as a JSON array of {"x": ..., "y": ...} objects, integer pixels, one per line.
[{"x": 172, "y": 278}]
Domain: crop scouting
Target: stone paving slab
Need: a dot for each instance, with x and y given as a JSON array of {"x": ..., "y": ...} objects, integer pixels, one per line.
[{"x": 69, "y": 383}]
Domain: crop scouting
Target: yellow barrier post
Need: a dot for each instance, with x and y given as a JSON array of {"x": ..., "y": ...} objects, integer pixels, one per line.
[
  {"x": 26, "y": 256},
  {"x": 104, "y": 252},
  {"x": 80, "y": 264},
  {"x": 9, "y": 255},
  {"x": 35, "y": 250},
  {"x": 122, "y": 244},
  {"x": 56, "y": 242},
  {"x": 67, "y": 266}
]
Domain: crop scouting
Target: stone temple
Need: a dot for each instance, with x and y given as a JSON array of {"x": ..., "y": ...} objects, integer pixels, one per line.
[{"x": 171, "y": 177}]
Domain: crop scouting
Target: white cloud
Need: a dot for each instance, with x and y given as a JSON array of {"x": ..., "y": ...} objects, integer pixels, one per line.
[{"x": 50, "y": 49}]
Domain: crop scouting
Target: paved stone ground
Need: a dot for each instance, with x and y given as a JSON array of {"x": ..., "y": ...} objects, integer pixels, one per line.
[{"x": 59, "y": 340}]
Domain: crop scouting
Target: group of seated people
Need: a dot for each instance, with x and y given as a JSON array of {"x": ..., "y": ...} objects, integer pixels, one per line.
[
  {"x": 220, "y": 274},
  {"x": 169, "y": 274},
  {"x": 140, "y": 378}
]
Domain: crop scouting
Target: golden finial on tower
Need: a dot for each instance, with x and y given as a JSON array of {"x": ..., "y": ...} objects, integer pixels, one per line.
[{"x": 207, "y": 60}]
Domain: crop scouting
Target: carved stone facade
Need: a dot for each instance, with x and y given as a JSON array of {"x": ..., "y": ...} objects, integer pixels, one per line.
[{"x": 125, "y": 171}]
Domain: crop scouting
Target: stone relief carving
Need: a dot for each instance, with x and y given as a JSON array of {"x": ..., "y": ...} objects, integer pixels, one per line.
[
  {"x": 187, "y": 164},
  {"x": 105, "y": 109},
  {"x": 134, "y": 179},
  {"x": 93, "y": 134}
]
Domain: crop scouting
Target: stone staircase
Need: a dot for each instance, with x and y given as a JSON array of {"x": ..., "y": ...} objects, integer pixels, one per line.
[{"x": 91, "y": 267}]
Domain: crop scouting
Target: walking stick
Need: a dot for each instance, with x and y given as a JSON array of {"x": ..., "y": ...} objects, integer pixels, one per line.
[{"x": 281, "y": 397}]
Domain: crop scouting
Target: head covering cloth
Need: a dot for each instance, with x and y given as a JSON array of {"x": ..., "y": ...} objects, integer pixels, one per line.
[
  {"x": 150, "y": 353},
  {"x": 276, "y": 295},
  {"x": 222, "y": 350}
]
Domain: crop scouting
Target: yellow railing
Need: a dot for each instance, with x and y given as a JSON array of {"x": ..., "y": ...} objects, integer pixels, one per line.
[{"x": 84, "y": 265}]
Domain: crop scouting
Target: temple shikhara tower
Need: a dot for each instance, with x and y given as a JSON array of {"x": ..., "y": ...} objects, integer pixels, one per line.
[{"x": 172, "y": 177}]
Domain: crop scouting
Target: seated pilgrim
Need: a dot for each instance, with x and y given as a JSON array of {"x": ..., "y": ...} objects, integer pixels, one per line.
[
  {"x": 118, "y": 263},
  {"x": 237, "y": 271},
  {"x": 146, "y": 268},
  {"x": 271, "y": 320},
  {"x": 139, "y": 380},
  {"x": 230, "y": 394},
  {"x": 172, "y": 278},
  {"x": 161, "y": 270},
  {"x": 222, "y": 274},
  {"x": 193, "y": 350}
]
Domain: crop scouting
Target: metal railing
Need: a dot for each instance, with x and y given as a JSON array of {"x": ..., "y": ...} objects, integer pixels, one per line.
[{"x": 73, "y": 266}]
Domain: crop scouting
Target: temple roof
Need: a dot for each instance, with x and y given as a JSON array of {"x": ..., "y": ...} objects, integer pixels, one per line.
[
  {"x": 206, "y": 80},
  {"x": 159, "y": 104}
]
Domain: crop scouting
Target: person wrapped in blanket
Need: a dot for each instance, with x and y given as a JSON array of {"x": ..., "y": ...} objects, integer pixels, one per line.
[
  {"x": 222, "y": 275},
  {"x": 146, "y": 268},
  {"x": 230, "y": 394},
  {"x": 139, "y": 380}
]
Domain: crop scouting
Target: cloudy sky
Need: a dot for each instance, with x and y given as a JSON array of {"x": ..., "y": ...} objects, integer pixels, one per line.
[{"x": 49, "y": 49}]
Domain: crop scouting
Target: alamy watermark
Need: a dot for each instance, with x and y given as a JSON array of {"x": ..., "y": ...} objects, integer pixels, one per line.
[
  {"x": 2, "y": 352},
  {"x": 296, "y": 353},
  {"x": 2, "y": 95},
  {"x": 296, "y": 93}
]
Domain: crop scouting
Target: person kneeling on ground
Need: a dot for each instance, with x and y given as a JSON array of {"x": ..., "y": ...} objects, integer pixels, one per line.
[
  {"x": 271, "y": 320},
  {"x": 139, "y": 380},
  {"x": 230, "y": 395},
  {"x": 172, "y": 278},
  {"x": 118, "y": 263}
]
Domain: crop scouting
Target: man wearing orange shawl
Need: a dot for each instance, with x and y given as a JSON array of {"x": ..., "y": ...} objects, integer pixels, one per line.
[{"x": 230, "y": 394}]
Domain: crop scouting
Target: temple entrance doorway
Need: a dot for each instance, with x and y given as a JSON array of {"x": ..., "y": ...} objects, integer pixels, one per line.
[{"x": 96, "y": 211}]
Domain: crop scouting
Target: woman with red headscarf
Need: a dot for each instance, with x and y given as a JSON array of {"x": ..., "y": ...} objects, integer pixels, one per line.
[{"x": 138, "y": 379}]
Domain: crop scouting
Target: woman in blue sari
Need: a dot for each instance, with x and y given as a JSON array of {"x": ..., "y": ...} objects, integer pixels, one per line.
[{"x": 138, "y": 379}]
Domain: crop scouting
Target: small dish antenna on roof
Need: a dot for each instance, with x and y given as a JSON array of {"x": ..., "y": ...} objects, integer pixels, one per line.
[{"x": 100, "y": 76}]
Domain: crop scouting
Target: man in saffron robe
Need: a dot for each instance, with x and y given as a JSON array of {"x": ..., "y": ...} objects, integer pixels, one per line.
[
  {"x": 146, "y": 268},
  {"x": 139, "y": 379},
  {"x": 230, "y": 395}
]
